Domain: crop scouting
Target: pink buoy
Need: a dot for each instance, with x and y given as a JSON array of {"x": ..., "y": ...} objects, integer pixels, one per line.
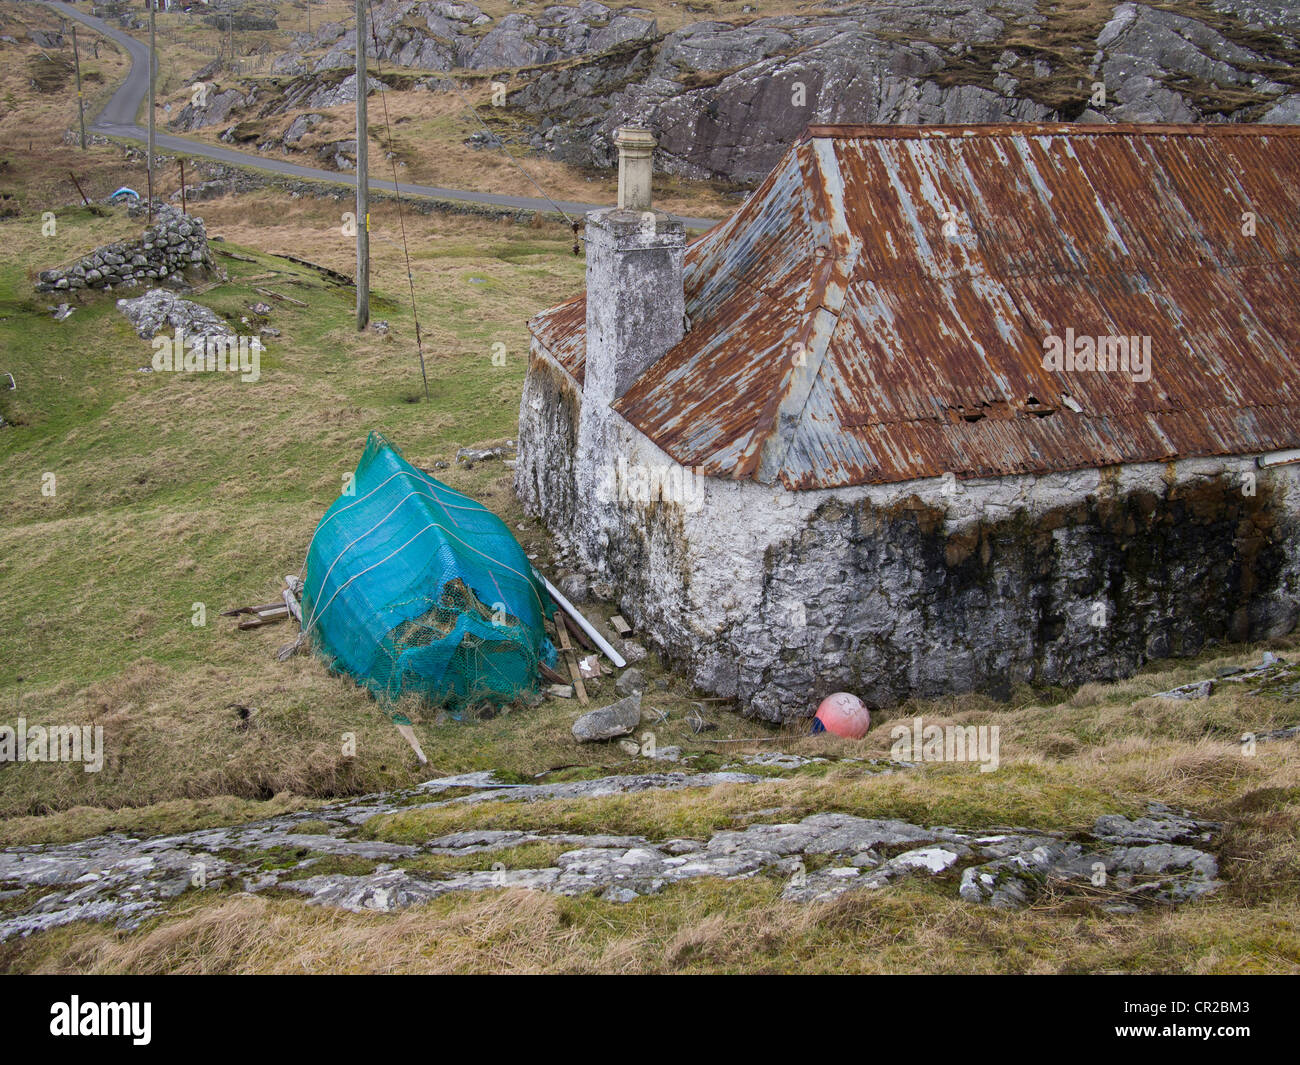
[{"x": 844, "y": 715}]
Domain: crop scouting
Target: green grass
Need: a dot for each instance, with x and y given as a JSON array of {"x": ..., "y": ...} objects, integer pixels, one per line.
[{"x": 174, "y": 490}]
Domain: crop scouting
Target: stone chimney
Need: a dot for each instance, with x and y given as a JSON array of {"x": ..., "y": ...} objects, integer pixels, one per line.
[
  {"x": 635, "y": 305},
  {"x": 635, "y": 313},
  {"x": 636, "y": 148}
]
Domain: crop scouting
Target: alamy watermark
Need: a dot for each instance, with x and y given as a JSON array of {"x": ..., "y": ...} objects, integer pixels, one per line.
[
  {"x": 1102, "y": 354},
  {"x": 208, "y": 353},
  {"x": 919, "y": 742},
  {"x": 77, "y": 1018},
  {"x": 53, "y": 743},
  {"x": 639, "y": 482}
]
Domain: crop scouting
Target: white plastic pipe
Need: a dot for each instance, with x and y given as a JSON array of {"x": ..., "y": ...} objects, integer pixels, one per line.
[
  {"x": 1279, "y": 458},
  {"x": 584, "y": 624}
]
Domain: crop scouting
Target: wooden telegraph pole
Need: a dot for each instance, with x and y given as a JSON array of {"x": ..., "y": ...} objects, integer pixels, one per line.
[
  {"x": 153, "y": 68},
  {"x": 81, "y": 104},
  {"x": 363, "y": 178}
]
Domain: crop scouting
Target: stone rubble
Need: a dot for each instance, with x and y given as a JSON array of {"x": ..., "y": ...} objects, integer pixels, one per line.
[
  {"x": 1156, "y": 858},
  {"x": 160, "y": 311}
]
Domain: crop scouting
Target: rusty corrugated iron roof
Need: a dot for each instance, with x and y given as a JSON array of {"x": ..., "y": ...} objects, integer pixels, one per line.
[{"x": 877, "y": 309}]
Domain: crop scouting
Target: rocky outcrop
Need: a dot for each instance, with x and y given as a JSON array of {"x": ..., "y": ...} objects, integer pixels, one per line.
[
  {"x": 1121, "y": 865},
  {"x": 216, "y": 108},
  {"x": 173, "y": 251},
  {"x": 445, "y": 35},
  {"x": 1158, "y": 66},
  {"x": 726, "y": 99}
]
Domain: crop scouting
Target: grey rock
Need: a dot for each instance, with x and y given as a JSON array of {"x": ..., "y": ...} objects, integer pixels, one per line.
[
  {"x": 289, "y": 63},
  {"x": 216, "y": 111},
  {"x": 617, "y": 719},
  {"x": 298, "y": 128},
  {"x": 630, "y": 682},
  {"x": 1201, "y": 689},
  {"x": 575, "y": 586},
  {"x": 471, "y": 455},
  {"x": 1158, "y": 827},
  {"x": 125, "y": 880}
]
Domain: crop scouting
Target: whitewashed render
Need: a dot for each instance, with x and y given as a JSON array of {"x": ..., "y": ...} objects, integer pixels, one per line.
[{"x": 920, "y": 587}]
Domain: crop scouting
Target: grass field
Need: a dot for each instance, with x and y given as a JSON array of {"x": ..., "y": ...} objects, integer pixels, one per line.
[{"x": 177, "y": 490}]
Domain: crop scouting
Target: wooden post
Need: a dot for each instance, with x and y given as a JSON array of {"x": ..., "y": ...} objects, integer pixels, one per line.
[
  {"x": 363, "y": 179},
  {"x": 153, "y": 65},
  {"x": 183, "y": 210},
  {"x": 79, "y": 189},
  {"x": 81, "y": 104}
]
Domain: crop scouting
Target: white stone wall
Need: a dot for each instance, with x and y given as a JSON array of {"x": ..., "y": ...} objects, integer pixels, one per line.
[{"x": 924, "y": 587}]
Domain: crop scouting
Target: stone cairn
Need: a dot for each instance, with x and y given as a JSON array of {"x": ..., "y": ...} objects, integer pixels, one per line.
[{"x": 173, "y": 251}]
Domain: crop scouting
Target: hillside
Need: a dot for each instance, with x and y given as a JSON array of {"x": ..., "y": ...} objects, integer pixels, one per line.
[
  {"x": 729, "y": 86},
  {"x": 324, "y": 845}
]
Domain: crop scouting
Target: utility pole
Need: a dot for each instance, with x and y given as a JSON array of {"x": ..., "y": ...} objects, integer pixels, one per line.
[
  {"x": 153, "y": 67},
  {"x": 363, "y": 179},
  {"x": 81, "y": 104}
]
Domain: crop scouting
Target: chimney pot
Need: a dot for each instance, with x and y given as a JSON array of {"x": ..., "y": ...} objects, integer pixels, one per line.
[{"x": 635, "y": 164}]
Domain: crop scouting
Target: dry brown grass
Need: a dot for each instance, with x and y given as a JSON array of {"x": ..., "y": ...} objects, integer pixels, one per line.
[
  {"x": 35, "y": 164},
  {"x": 704, "y": 927}
]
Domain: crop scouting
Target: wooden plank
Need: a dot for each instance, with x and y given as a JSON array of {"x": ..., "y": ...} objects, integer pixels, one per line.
[
  {"x": 408, "y": 734},
  {"x": 552, "y": 675},
  {"x": 253, "y": 609},
  {"x": 570, "y": 657},
  {"x": 255, "y": 622},
  {"x": 333, "y": 275},
  {"x": 620, "y": 626},
  {"x": 575, "y": 630},
  {"x": 279, "y": 296}
]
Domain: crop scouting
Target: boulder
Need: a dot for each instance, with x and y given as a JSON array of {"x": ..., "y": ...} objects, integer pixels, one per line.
[{"x": 617, "y": 719}]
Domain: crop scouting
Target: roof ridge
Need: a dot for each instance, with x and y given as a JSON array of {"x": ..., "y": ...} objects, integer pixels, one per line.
[
  {"x": 764, "y": 454},
  {"x": 877, "y": 131}
]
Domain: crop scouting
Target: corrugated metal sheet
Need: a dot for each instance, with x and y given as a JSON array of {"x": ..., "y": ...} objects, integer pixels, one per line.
[{"x": 876, "y": 311}]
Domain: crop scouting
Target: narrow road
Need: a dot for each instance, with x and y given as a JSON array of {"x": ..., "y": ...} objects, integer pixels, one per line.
[{"x": 117, "y": 119}]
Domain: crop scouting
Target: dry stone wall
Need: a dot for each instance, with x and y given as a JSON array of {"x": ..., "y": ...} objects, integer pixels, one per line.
[{"x": 173, "y": 251}]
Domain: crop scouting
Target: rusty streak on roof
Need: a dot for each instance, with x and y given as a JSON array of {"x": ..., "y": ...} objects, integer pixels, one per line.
[{"x": 877, "y": 309}]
